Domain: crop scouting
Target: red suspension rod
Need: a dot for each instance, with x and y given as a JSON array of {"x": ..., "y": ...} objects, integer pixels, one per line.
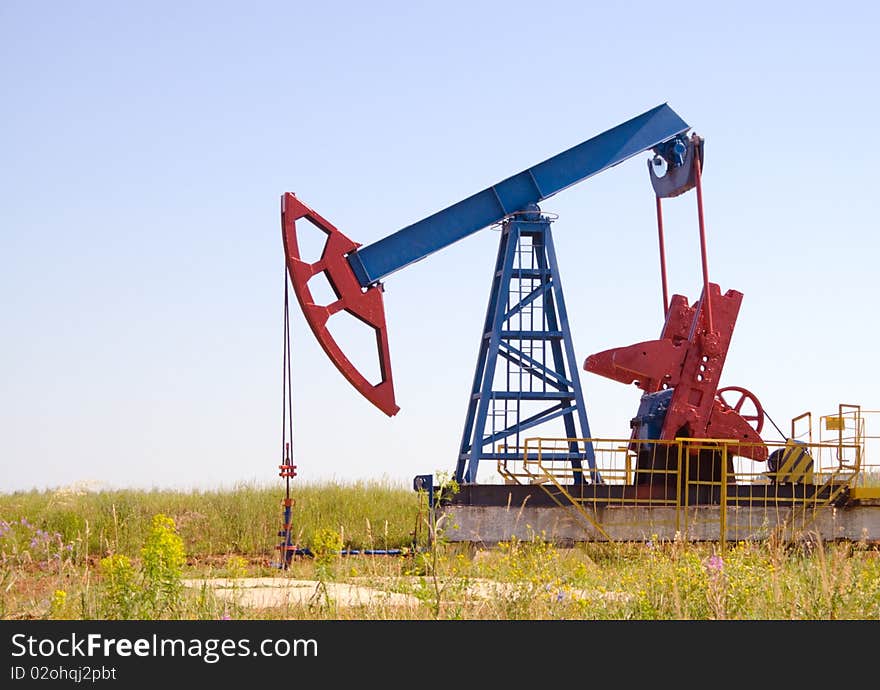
[
  {"x": 706, "y": 302},
  {"x": 662, "y": 258}
]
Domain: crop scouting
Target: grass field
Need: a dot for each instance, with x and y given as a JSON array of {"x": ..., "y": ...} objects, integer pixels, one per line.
[{"x": 69, "y": 554}]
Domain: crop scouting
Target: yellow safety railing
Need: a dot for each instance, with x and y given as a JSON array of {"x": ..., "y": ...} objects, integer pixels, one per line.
[{"x": 706, "y": 490}]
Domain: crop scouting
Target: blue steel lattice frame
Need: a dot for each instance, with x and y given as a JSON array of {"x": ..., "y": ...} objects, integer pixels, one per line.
[{"x": 517, "y": 289}]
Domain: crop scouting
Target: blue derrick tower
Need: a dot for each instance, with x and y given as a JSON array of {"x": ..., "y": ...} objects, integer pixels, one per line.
[{"x": 526, "y": 373}]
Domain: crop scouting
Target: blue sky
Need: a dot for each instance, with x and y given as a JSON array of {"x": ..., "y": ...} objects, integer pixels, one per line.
[{"x": 146, "y": 146}]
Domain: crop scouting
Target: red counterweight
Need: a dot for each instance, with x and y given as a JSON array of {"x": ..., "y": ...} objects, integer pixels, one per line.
[{"x": 688, "y": 358}]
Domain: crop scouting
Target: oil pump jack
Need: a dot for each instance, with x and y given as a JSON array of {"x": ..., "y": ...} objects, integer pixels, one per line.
[{"x": 526, "y": 325}]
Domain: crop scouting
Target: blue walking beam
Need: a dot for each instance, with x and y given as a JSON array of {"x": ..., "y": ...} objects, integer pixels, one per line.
[{"x": 413, "y": 243}]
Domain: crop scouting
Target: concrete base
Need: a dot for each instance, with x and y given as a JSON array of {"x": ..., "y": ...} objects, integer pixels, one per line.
[{"x": 490, "y": 524}]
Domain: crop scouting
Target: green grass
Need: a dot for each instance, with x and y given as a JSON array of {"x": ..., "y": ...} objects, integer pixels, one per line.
[
  {"x": 242, "y": 520},
  {"x": 106, "y": 555}
]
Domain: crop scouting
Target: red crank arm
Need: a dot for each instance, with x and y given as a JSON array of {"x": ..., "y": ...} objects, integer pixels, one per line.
[{"x": 364, "y": 304}]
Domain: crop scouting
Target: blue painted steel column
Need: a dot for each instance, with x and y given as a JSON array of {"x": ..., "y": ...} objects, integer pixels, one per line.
[
  {"x": 567, "y": 343},
  {"x": 373, "y": 262},
  {"x": 478, "y": 404}
]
